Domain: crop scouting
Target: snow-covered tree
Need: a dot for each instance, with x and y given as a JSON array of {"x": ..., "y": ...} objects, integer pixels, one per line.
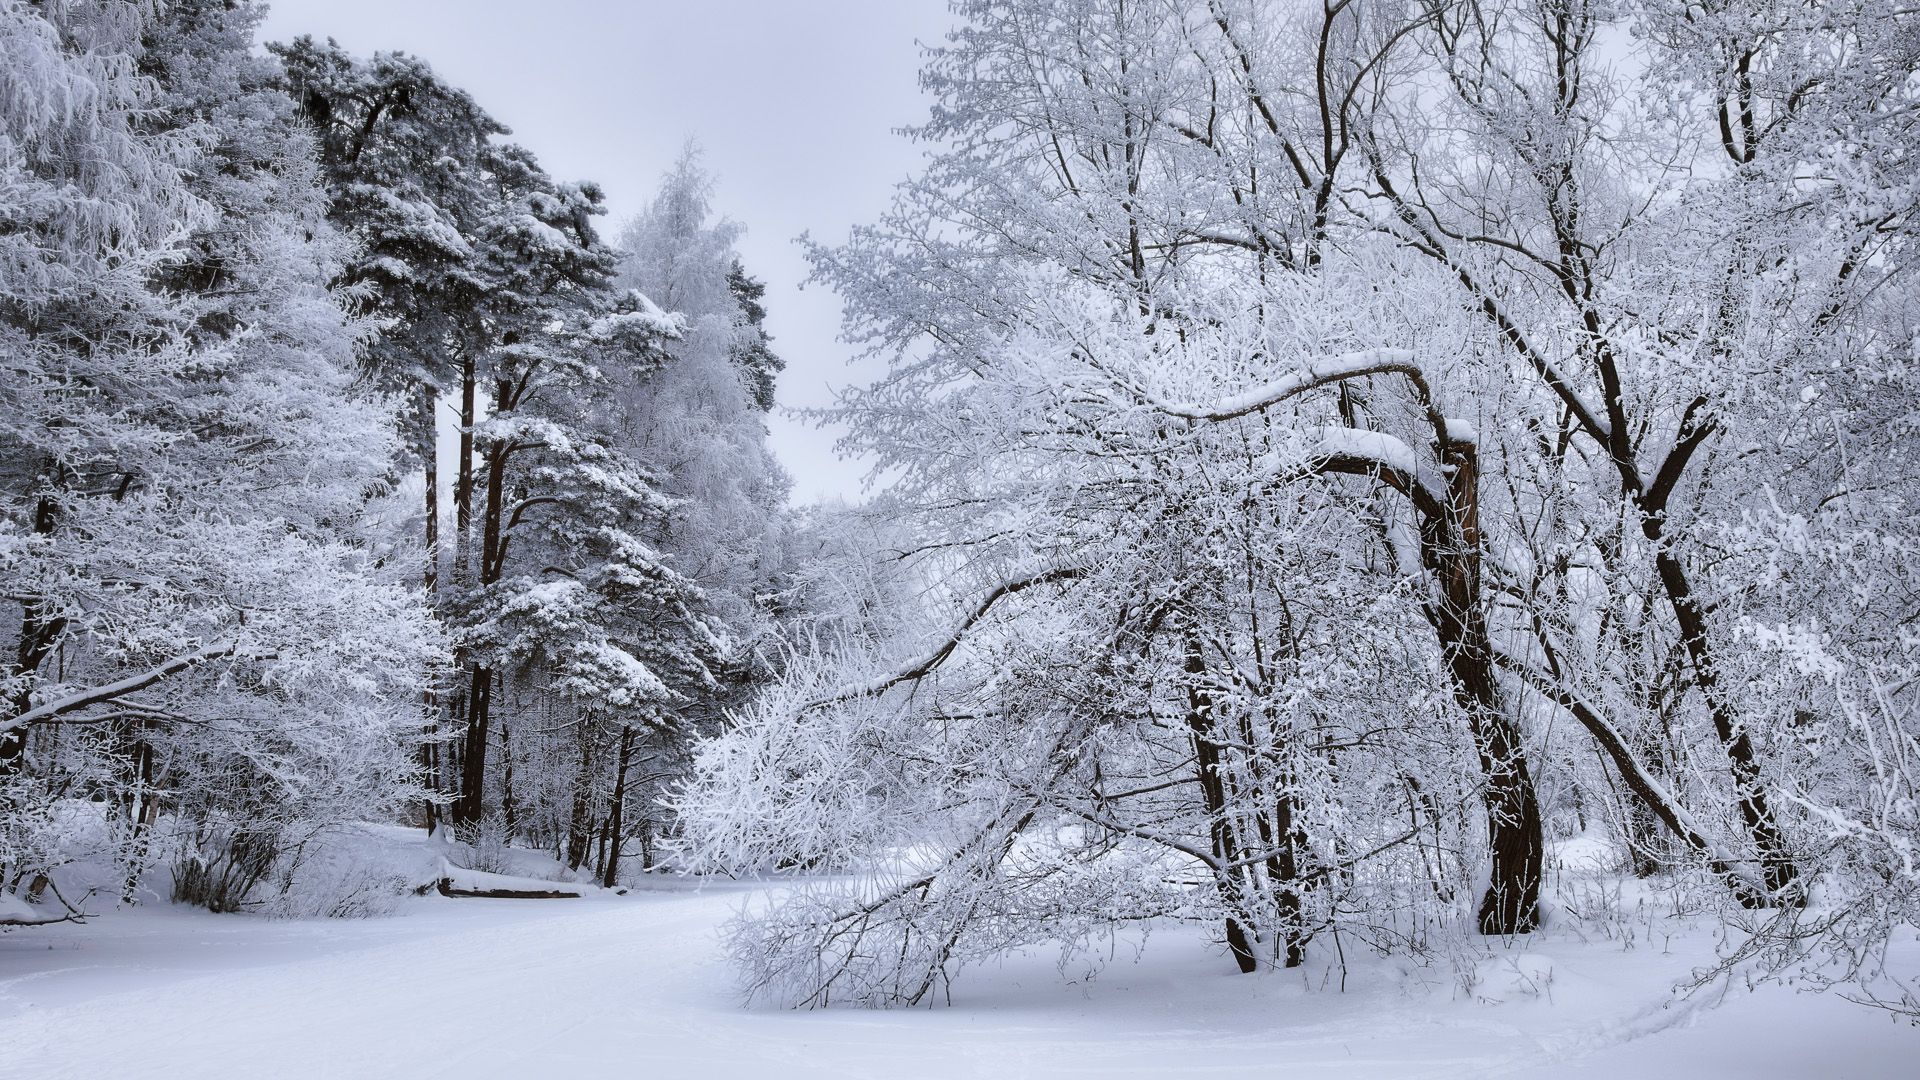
[
  {"x": 700, "y": 417},
  {"x": 696, "y": 418},
  {"x": 1468, "y": 319},
  {"x": 203, "y": 627}
]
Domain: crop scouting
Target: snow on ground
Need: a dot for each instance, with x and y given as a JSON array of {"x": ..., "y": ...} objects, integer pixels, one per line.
[{"x": 634, "y": 986}]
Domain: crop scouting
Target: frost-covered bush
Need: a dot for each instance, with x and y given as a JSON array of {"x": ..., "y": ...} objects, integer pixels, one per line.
[
  {"x": 349, "y": 871},
  {"x": 348, "y": 888},
  {"x": 1036, "y": 793},
  {"x": 489, "y": 851},
  {"x": 222, "y": 866}
]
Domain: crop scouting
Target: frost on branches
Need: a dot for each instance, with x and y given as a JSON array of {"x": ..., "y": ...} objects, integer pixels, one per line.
[
  {"x": 207, "y": 646},
  {"x": 238, "y": 293},
  {"x": 1344, "y": 452},
  {"x": 616, "y": 522},
  {"x": 1328, "y": 459}
]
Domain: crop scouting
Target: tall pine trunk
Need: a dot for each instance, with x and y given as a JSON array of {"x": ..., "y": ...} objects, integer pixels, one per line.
[
  {"x": 580, "y": 817},
  {"x": 479, "y": 705},
  {"x": 470, "y": 807},
  {"x": 430, "y": 578},
  {"x": 610, "y": 865}
]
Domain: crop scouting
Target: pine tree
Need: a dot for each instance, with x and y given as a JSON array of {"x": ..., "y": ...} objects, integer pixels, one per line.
[
  {"x": 754, "y": 349},
  {"x": 548, "y": 468}
]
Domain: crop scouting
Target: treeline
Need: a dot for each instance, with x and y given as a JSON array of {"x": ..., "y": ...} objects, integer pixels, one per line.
[{"x": 349, "y": 472}]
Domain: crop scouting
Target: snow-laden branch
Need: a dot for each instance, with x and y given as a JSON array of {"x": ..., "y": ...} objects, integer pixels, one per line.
[
  {"x": 101, "y": 694},
  {"x": 926, "y": 664},
  {"x": 1348, "y": 366},
  {"x": 1447, "y": 430},
  {"x": 36, "y": 918},
  {"x": 1359, "y": 452},
  {"x": 1426, "y": 241}
]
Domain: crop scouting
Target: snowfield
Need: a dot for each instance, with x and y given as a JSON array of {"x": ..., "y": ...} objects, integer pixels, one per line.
[{"x": 635, "y": 986}]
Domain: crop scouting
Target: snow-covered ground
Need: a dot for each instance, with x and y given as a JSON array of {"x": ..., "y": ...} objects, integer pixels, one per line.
[{"x": 634, "y": 986}]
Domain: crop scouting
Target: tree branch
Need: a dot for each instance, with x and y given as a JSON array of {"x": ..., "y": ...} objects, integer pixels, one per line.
[
  {"x": 925, "y": 665},
  {"x": 101, "y": 694}
]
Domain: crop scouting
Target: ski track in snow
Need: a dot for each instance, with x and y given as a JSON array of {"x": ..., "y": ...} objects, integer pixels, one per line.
[{"x": 636, "y": 986}]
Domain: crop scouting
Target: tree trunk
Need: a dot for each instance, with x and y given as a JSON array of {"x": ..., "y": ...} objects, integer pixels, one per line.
[
  {"x": 463, "y": 473},
  {"x": 473, "y": 765},
  {"x": 473, "y": 771},
  {"x": 579, "y": 821},
  {"x": 610, "y": 869},
  {"x": 1213, "y": 796},
  {"x": 39, "y": 633},
  {"x": 1272, "y": 801},
  {"x": 1283, "y": 871},
  {"x": 600, "y": 845},
  {"x": 1514, "y": 834},
  {"x": 140, "y": 803},
  {"x": 1643, "y": 837},
  {"x": 1780, "y": 875},
  {"x": 428, "y": 408},
  {"x": 430, "y": 578},
  {"x": 509, "y": 806}
]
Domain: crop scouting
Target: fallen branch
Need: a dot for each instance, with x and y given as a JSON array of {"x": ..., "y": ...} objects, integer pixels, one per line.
[
  {"x": 9, "y": 921},
  {"x": 458, "y": 881},
  {"x": 445, "y": 887}
]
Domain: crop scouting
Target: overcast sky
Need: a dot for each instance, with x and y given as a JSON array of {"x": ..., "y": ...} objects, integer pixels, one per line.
[{"x": 793, "y": 101}]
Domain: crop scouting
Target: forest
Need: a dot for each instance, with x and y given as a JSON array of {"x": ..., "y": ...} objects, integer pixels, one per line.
[{"x": 1353, "y": 489}]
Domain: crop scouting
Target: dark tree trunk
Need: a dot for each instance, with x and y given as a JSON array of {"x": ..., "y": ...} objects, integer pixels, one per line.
[
  {"x": 430, "y": 575},
  {"x": 427, "y": 406},
  {"x": 463, "y": 473},
  {"x": 610, "y": 868},
  {"x": 1780, "y": 874},
  {"x": 580, "y": 820},
  {"x": 473, "y": 771},
  {"x": 39, "y": 633},
  {"x": 509, "y": 806},
  {"x": 142, "y": 803},
  {"x": 1213, "y": 796},
  {"x": 1643, "y": 838},
  {"x": 1514, "y": 835},
  {"x": 468, "y": 808},
  {"x": 1283, "y": 870},
  {"x": 1272, "y": 802}
]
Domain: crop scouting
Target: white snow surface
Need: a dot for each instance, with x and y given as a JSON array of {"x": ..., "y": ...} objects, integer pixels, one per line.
[{"x": 635, "y": 986}]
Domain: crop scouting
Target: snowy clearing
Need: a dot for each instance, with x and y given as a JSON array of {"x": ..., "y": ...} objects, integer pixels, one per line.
[
  {"x": 1363, "y": 540},
  {"x": 484, "y": 988}
]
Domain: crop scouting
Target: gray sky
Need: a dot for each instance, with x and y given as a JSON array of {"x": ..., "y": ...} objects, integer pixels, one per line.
[{"x": 793, "y": 101}]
